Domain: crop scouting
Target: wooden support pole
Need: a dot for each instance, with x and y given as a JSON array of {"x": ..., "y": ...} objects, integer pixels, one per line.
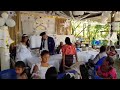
[{"x": 112, "y": 20}]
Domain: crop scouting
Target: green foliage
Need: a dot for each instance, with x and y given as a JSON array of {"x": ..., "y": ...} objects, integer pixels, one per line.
[
  {"x": 89, "y": 31},
  {"x": 106, "y": 29},
  {"x": 104, "y": 42}
]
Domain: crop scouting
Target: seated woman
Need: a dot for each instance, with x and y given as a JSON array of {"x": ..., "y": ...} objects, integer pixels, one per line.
[
  {"x": 59, "y": 48},
  {"x": 101, "y": 54},
  {"x": 106, "y": 70},
  {"x": 68, "y": 51},
  {"x": 112, "y": 53},
  {"x": 42, "y": 67},
  {"x": 22, "y": 51}
]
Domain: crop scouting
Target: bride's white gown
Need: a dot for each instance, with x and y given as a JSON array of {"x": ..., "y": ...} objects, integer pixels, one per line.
[{"x": 22, "y": 53}]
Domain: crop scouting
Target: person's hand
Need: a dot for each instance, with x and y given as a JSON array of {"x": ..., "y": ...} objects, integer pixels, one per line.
[
  {"x": 76, "y": 62},
  {"x": 66, "y": 67}
]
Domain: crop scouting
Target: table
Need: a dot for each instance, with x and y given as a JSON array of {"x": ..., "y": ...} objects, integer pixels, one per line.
[
  {"x": 86, "y": 55},
  {"x": 55, "y": 60}
]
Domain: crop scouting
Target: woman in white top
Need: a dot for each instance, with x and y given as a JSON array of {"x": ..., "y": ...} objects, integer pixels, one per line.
[
  {"x": 22, "y": 51},
  {"x": 101, "y": 54},
  {"x": 42, "y": 67}
]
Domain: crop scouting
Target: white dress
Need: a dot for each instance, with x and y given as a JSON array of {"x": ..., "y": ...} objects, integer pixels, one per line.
[
  {"x": 41, "y": 70},
  {"x": 22, "y": 53}
]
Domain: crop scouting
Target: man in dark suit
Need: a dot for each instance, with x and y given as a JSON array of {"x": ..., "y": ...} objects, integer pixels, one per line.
[{"x": 47, "y": 43}]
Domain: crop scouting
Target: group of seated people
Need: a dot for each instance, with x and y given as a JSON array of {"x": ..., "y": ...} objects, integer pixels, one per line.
[
  {"x": 106, "y": 51},
  {"x": 42, "y": 70},
  {"x": 102, "y": 64},
  {"x": 103, "y": 67}
]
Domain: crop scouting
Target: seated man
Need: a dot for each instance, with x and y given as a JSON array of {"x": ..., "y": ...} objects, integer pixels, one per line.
[{"x": 101, "y": 54}]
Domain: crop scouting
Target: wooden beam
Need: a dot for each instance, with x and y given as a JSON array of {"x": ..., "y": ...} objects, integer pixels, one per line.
[
  {"x": 93, "y": 15},
  {"x": 112, "y": 20}
]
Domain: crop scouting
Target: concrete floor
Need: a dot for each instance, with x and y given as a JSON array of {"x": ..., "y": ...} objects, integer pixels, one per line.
[{"x": 117, "y": 67}]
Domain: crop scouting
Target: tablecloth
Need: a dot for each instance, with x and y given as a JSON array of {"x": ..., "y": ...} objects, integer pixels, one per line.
[
  {"x": 86, "y": 55},
  {"x": 55, "y": 60}
]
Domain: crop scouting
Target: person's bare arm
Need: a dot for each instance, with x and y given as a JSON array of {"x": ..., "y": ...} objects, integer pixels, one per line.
[
  {"x": 76, "y": 57},
  {"x": 35, "y": 69}
]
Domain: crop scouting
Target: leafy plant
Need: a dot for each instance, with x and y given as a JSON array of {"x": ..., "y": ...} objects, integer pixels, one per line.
[{"x": 89, "y": 30}]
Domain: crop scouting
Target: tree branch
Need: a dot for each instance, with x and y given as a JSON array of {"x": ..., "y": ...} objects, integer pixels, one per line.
[
  {"x": 75, "y": 28},
  {"x": 81, "y": 31}
]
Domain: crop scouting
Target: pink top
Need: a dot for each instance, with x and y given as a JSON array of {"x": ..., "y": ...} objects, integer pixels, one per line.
[
  {"x": 69, "y": 49},
  {"x": 111, "y": 73}
]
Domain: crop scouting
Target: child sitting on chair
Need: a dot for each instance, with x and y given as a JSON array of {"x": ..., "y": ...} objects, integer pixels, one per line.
[
  {"x": 20, "y": 70},
  {"x": 106, "y": 70},
  {"x": 41, "y": 68}
]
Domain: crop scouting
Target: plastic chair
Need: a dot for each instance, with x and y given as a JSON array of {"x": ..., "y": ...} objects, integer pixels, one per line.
[{"x": 8, "y": 74}]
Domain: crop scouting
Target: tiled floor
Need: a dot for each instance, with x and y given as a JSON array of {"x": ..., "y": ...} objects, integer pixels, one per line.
[{"x": 117, "y": 66}]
